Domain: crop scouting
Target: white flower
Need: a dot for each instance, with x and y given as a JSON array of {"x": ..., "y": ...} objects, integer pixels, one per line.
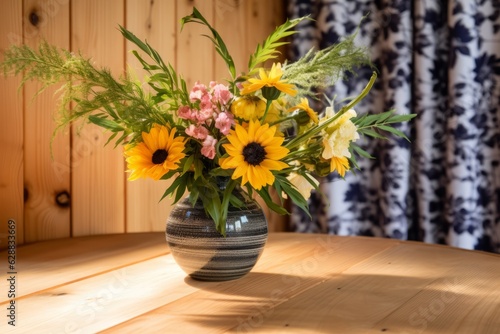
[
  {"x": 339, "y": 134},
  {"x": 302, "y": 185}
]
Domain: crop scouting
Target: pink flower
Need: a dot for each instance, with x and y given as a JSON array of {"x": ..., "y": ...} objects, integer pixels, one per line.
[
  {"x": 198, "y": 91},
  {"x": 224, "y": 122},
  {"x": 204, "y": 114},
  {"x": 185, "y": 113},
  {"x": 221, "y": 94},
  {"x": 208, "y": 148},
  {"x": 206, "y": 102},
  {"x": 198, "y": 132}
]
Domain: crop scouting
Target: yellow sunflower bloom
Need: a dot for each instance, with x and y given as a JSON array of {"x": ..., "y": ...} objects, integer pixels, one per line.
[
  {"x": 304, "y": 105},
  {"x": 253, "y": 153},
  {"x": 158, "y": 153},
  {"x": 340, "y": 164},
  {"x": 271, "y": 80}
]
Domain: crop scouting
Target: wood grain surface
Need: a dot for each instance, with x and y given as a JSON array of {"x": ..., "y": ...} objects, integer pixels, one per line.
[
  {"x": 301, "y": 284},
  {"x": 46, "y": 161},
  {"x": 155, "y": 22},
  {"x": 12, "y": 134},
  {"x": 97, "y": 172},
  {"x": 82, "y": 189}
]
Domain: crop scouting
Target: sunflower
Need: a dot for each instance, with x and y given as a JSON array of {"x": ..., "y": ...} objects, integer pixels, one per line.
[
  {"x": 304, "y": 105},
  {"x": 271, "y": 80},
  {"x": 253, "y": 153},
  {"x": 158, "y": 153}
]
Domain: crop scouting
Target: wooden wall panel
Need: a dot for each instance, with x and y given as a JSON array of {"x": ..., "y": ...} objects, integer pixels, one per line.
[
  {"x": 262, "y": 19},
  {"x": 11, "y": 136},
  {"x": 98, "y": 175},
  {"x": 230, "y": 22},
  {"x": 93, "y": 177},
  {"x": 195, "y": 53},
  {"x": 46, "y": 178},
  {"x": 157, "y": 23}
]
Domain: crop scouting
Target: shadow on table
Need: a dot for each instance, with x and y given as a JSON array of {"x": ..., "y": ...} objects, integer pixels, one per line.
[{"x": 260, "y": 302}]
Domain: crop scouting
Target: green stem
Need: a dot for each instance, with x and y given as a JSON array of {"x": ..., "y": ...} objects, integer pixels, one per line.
[
  {"x": 309, "y": 151},
  {"x": 282, "y": 120},
  {"x": 268, "y": 105},
  {"x": 297, "y": 140}
]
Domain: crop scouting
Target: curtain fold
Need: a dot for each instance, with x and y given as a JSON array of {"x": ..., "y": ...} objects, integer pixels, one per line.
[{"x": 440, "y": 60}]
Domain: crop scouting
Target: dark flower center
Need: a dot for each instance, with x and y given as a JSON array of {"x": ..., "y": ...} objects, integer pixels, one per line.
[
  {"x": 159, "y": 156},
  {"x": 254, "y": 153}
]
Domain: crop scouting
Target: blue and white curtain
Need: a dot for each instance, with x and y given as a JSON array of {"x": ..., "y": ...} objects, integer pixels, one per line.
[{"x": 439, "y": 59}]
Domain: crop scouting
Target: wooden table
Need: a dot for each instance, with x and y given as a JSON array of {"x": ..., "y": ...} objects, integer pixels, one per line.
[{"x": 301, "y": 284}]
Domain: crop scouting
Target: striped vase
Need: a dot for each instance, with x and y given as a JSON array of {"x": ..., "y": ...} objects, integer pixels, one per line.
[{"x": 203, "y": 253}]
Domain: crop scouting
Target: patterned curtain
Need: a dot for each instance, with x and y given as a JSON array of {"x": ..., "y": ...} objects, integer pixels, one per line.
[{"x": 441, "y": 60}]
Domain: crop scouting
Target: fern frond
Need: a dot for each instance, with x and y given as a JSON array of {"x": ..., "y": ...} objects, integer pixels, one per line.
[
  {"x": 88, "y": 92},
  {"x": 322, "y": 68},
  {"x": 268, "y": 49}
]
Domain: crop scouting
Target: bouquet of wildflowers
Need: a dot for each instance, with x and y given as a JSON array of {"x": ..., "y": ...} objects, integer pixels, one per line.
[{"x": 256, "y": 131}]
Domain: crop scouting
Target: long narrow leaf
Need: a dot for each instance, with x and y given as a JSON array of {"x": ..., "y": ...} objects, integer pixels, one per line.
[
  {"x": 371, "y": 133},
  {"x": 264, "y": 194},
  {"x": 221, "y": 48},
  {"x": 393, "y": 131},
  {"x": 361, "y": 152}
]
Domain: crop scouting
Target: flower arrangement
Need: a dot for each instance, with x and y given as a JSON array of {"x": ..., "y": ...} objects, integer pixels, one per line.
[{"x": 257, "y": 131}]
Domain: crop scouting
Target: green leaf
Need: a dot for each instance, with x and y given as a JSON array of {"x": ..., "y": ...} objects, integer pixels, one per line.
[
  {"x": 393, "y": 131},
  {"x": 105, "y": 123},
  {"x": 383, "y": 116},
  {"x": 213, "y": 208},
  {"x": 187, "y": 163},
  {"x": 279, "y": 191},
  {"x": 181, "y": 189},
  {"x": 360, "y": 121},
  {"x": 221, "y": 172},
  {"x": 177, "y": 184},
  {"x": 236, "y": 202},
  {"x": 111, "y": 111},
  {"x": 361, "y": 152},
  {"x": 131, "y": 37},
  {"x": 220, "y": 46},
  {"x": 198, "y": 168},
  {"x": 111, "y": 138},
  {"x": 401, "y": 118},
  {"x": 193, "y": 195},
  {"x": 293, "y": 193},
  {"x": 371, "y": 133},
  {"x": 264, "y": 194},
  {"x": 168, "y": 175},
  {"x": 352, "y": 158},
  {"x": 368, "y": 120},
  {"x": 225, "y": 203},
  {"x": 310, "y": 180}
]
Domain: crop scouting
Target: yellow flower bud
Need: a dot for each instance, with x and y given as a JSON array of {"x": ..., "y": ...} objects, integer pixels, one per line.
[{"x": 248, "y": 107}]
